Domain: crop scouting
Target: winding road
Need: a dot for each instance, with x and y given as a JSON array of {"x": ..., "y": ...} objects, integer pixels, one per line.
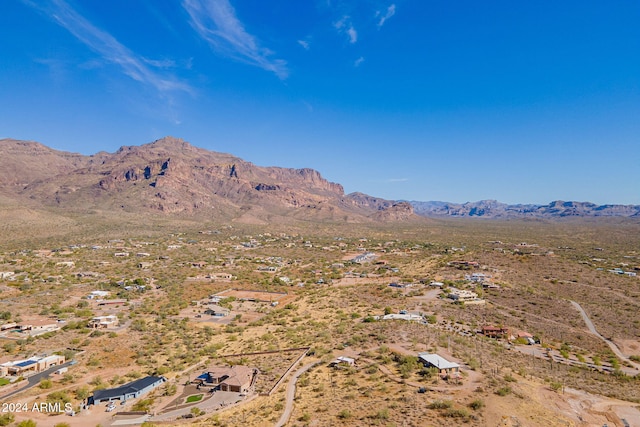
[
  {"x": 291, "y": 393},
  {"x": 610, "y": 343},
  {"x": 36, "y": 378}
]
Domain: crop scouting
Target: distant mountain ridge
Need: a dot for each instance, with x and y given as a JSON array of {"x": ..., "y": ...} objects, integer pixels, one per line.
[
  {"x": 495, "y": 209},
  {"x": 172, "y": 177}
]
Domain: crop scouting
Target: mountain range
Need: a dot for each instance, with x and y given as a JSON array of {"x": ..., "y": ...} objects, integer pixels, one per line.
[
  {"x": 495, "y": 209},
  {"x": 170, "y": 177}
]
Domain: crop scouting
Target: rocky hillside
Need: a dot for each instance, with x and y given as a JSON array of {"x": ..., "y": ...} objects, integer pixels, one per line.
[
  {"x": 171, "y": 176},
  {"x": 495, "y": 209}
]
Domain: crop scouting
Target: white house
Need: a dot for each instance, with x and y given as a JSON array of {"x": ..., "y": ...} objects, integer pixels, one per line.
[
  {"x": 433, "y": 360},
  {"x": 65, "y": 264},
  {"x": 98, "y": 294},
  {"x": 462, "y": 295}
]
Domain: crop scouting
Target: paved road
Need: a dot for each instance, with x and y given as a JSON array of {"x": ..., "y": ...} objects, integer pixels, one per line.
[
  {"x": 291, "y": 393},
  {"x": 35, "y": 379},
  {"x": 593, "y": 330}
]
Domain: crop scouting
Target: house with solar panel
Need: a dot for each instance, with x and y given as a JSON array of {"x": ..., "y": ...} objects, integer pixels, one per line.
[
  {"x": 128, "y": 391},
  {"x": 30, "y": 366},
  {"x": 238, "y": 378}
]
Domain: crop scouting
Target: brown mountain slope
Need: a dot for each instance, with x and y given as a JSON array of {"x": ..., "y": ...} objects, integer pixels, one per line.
[
  {"x": 23, "y": 162},
  {"x": 171, "y": 176}
]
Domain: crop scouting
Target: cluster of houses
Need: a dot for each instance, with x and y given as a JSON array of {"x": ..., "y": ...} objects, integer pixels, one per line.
[{"x": 446, "y": 369}]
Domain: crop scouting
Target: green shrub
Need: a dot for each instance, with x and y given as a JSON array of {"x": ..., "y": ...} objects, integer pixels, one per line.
[
  {"x": 503, "y": 391},
  {"x": 345, "y": 414},
  {"x": 45, "y": 384},
  {"x": 440, "y": 404},
  {"x": 476, "y": 404},
  {"x": 456, "y": 413},
  {"x": 6, "y": 419}
]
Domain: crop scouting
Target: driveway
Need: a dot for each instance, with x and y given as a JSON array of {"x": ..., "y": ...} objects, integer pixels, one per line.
[
  {"x": 593, "y": 330},
  {"x": 35, "y": 379},
  {"x": 291, "y": 393}
]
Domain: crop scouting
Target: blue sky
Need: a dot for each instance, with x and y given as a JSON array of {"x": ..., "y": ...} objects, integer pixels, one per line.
[{"x": 519, "y": 101}]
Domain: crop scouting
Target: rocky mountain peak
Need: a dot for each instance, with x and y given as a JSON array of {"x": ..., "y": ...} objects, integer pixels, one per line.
[{"x": 171, "y": 176}]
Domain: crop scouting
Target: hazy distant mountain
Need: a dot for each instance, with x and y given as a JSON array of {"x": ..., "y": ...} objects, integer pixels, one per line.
[
  {"x": 172, "y": 177},
  {"x": 495, "y": 209}
]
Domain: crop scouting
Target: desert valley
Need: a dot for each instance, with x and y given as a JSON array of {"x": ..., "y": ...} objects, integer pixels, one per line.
[{"x": 165, "y": 284}]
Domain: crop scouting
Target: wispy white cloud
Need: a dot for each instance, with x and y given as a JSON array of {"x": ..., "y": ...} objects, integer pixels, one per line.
[
  {"x": 160, "y": 63},
  {"x": 110, "y": 49},
  {"x": 391, "y": 180},
  {"x": 304, "y": 44},
  {"x": 216, "y": 22},
  {"x": 391, "y": 10},
  {"x": 353, "y": 34},
  {"x": 344, "y": 25},
  {"x": 358, "y": 61}
]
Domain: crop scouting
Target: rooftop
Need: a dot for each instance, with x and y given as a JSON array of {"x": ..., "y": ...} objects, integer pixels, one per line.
[{"x": 437, "y": 361}]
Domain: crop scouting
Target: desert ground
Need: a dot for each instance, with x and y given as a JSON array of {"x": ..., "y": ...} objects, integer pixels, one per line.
[{"x": 295, "y": 298}]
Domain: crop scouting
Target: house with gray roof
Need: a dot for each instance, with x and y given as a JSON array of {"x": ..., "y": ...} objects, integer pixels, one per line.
[{"x": 131, "y": 390}]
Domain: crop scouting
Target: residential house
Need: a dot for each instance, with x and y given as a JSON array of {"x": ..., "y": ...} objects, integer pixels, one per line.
[
  {"x": 131, "y": 390},
  {"x": 112, "y": 302},
  {"x": 103, "y": 322},
  {"x": 7, "y": 326},
  {"x": 98, "y": 294},
  {"x": 343, "y": 361},
  {"x": 65, "y": 264},
  {"x": 39, "y": 325},
  {"x": 238, "y": 378},
  {"x": 217, "y": 311},
  {"x": 462, "y": 295},
  {"x": 30, "y": 366},
  {"x": 365, "y": 257},
  {"x": 433, "y": 360},
  {"x": 404, "y": 316},
  {"x": 495, "y": 331},
  {"x": 220, "y": 276}
]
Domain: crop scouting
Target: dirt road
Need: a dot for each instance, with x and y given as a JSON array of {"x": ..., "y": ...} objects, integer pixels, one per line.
[
  {"x": 593, "y": 330},
  {"x": 291, "y": 393}
]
